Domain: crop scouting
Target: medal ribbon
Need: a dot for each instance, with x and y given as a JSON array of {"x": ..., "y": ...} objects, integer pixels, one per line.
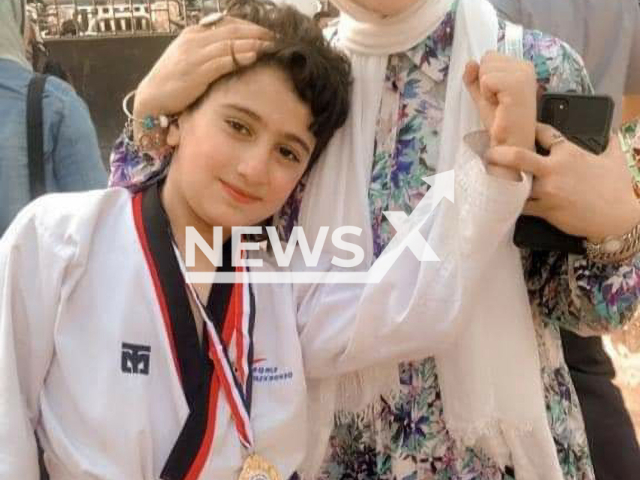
[
  {"x": 231, "y": 315},
  {"x": 236, "y": 384}
]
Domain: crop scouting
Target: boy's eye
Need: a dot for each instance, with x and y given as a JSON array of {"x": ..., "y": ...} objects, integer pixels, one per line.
[
  {"x": 289, "y": 154},
  {"x": 239, "y": 127}
]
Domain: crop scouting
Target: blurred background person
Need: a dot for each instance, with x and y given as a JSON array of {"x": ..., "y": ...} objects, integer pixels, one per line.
[
  {"x": 37, "y": 53},
  {"x": 70, "y": 156}
]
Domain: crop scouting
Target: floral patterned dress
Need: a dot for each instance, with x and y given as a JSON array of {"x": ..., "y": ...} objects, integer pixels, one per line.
[{"x": 403, "y": 436}]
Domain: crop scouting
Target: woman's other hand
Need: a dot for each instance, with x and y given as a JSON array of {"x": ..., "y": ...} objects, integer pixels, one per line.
[{"x": 580, "y": 193}]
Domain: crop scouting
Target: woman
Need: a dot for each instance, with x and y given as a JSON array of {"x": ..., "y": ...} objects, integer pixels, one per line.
[
  {"x": 125, "y": 371},
  {"x": 419, "y": 427}
]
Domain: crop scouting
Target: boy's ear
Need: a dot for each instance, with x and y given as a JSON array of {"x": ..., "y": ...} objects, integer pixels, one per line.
[{"x": 174, "y": 133}]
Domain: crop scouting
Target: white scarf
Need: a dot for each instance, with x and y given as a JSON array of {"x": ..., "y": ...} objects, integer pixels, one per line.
[
  {"x": 12, "y": 18},
  {"x": 489, "y": 372}
]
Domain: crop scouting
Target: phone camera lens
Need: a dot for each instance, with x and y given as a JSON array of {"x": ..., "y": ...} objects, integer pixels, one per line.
[{"x": 560, "y": 113}]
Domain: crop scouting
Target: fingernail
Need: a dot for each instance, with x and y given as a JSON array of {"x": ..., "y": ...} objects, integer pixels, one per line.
[{"x": 247, "y": 58}]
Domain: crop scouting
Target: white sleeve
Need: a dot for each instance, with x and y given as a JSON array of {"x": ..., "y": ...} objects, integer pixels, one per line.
[
  {"x": 30, "y": 272},
  {"x": 413, "y": 311}
]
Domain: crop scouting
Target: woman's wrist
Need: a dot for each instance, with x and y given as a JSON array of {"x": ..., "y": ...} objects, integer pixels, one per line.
[
  {"x": 144, "y": 106},
  {"x": 146, "y": 123},
  {"x": 621, "y": 220},
  {"x": 626, "y": 235}
]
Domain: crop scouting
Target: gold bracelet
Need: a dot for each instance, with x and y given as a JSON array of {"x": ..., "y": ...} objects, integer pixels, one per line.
[
  {"x": 615, "y": 249},
  {"x": 622, "y": 248}
]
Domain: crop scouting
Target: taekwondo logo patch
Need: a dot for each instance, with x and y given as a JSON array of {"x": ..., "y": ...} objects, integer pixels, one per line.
[{"x": 135, "y": 358}]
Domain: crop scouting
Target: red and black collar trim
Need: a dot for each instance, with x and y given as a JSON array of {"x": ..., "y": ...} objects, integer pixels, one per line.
[{"x": 192, "y": 363}]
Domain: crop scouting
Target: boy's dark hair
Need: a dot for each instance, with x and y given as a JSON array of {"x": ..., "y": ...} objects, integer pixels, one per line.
[{"x": 320, "y": 75}]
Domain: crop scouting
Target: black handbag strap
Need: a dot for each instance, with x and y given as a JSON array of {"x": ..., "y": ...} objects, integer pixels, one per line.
[
  {"x": 35, "y": 155},
  {"x": 35, "y": 142}
]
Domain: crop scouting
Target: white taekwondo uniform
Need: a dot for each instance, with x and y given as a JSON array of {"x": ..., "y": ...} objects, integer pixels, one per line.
[{"x": 111, "y": 375}]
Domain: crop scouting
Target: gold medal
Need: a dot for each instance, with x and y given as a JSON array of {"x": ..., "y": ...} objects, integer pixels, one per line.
[{"x": 257, "y": 468}]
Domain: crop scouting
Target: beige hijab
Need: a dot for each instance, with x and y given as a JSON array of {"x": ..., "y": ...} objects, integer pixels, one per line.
[{"x": 12, "y": 24}]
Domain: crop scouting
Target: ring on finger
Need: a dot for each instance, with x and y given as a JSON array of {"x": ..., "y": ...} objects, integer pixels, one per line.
[
  {"x": 211, "y": 20},
  {"x": 557, "y": 139}
]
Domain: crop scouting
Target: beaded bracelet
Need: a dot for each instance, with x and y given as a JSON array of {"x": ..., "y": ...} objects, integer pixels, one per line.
[{"x": 154, "y": 127}]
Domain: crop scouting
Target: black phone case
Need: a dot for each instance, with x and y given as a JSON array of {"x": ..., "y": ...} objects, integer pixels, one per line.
[{"x": 586, "y": 121}]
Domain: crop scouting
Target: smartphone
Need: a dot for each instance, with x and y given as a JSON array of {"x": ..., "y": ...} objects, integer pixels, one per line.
[{"x": 586, "y": 121}]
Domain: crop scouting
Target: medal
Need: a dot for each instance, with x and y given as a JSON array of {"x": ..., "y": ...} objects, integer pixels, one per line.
[{"x": 257, "y": 468}]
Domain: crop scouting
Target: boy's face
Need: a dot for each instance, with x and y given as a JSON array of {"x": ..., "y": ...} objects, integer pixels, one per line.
[
  {"x": 386, "y": 7},
  {"x": 242, "y": 150}
]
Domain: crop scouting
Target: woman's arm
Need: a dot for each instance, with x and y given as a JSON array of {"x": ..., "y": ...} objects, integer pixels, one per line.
[
  {"x": 416, "y": 309},
  {"x": 574, "y": 291},
  {"x": 588, "y": 196}
]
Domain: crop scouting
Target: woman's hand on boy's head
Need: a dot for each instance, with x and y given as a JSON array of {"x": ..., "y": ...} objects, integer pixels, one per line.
[
  {"x": 194, "y": 60},
  {"x": 505, "y": 91}
]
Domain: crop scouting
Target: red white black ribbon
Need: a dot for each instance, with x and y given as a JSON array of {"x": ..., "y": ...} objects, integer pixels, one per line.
[
  {"x": 231, "y": 308},
  {"x": 236, "y": 382}
]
